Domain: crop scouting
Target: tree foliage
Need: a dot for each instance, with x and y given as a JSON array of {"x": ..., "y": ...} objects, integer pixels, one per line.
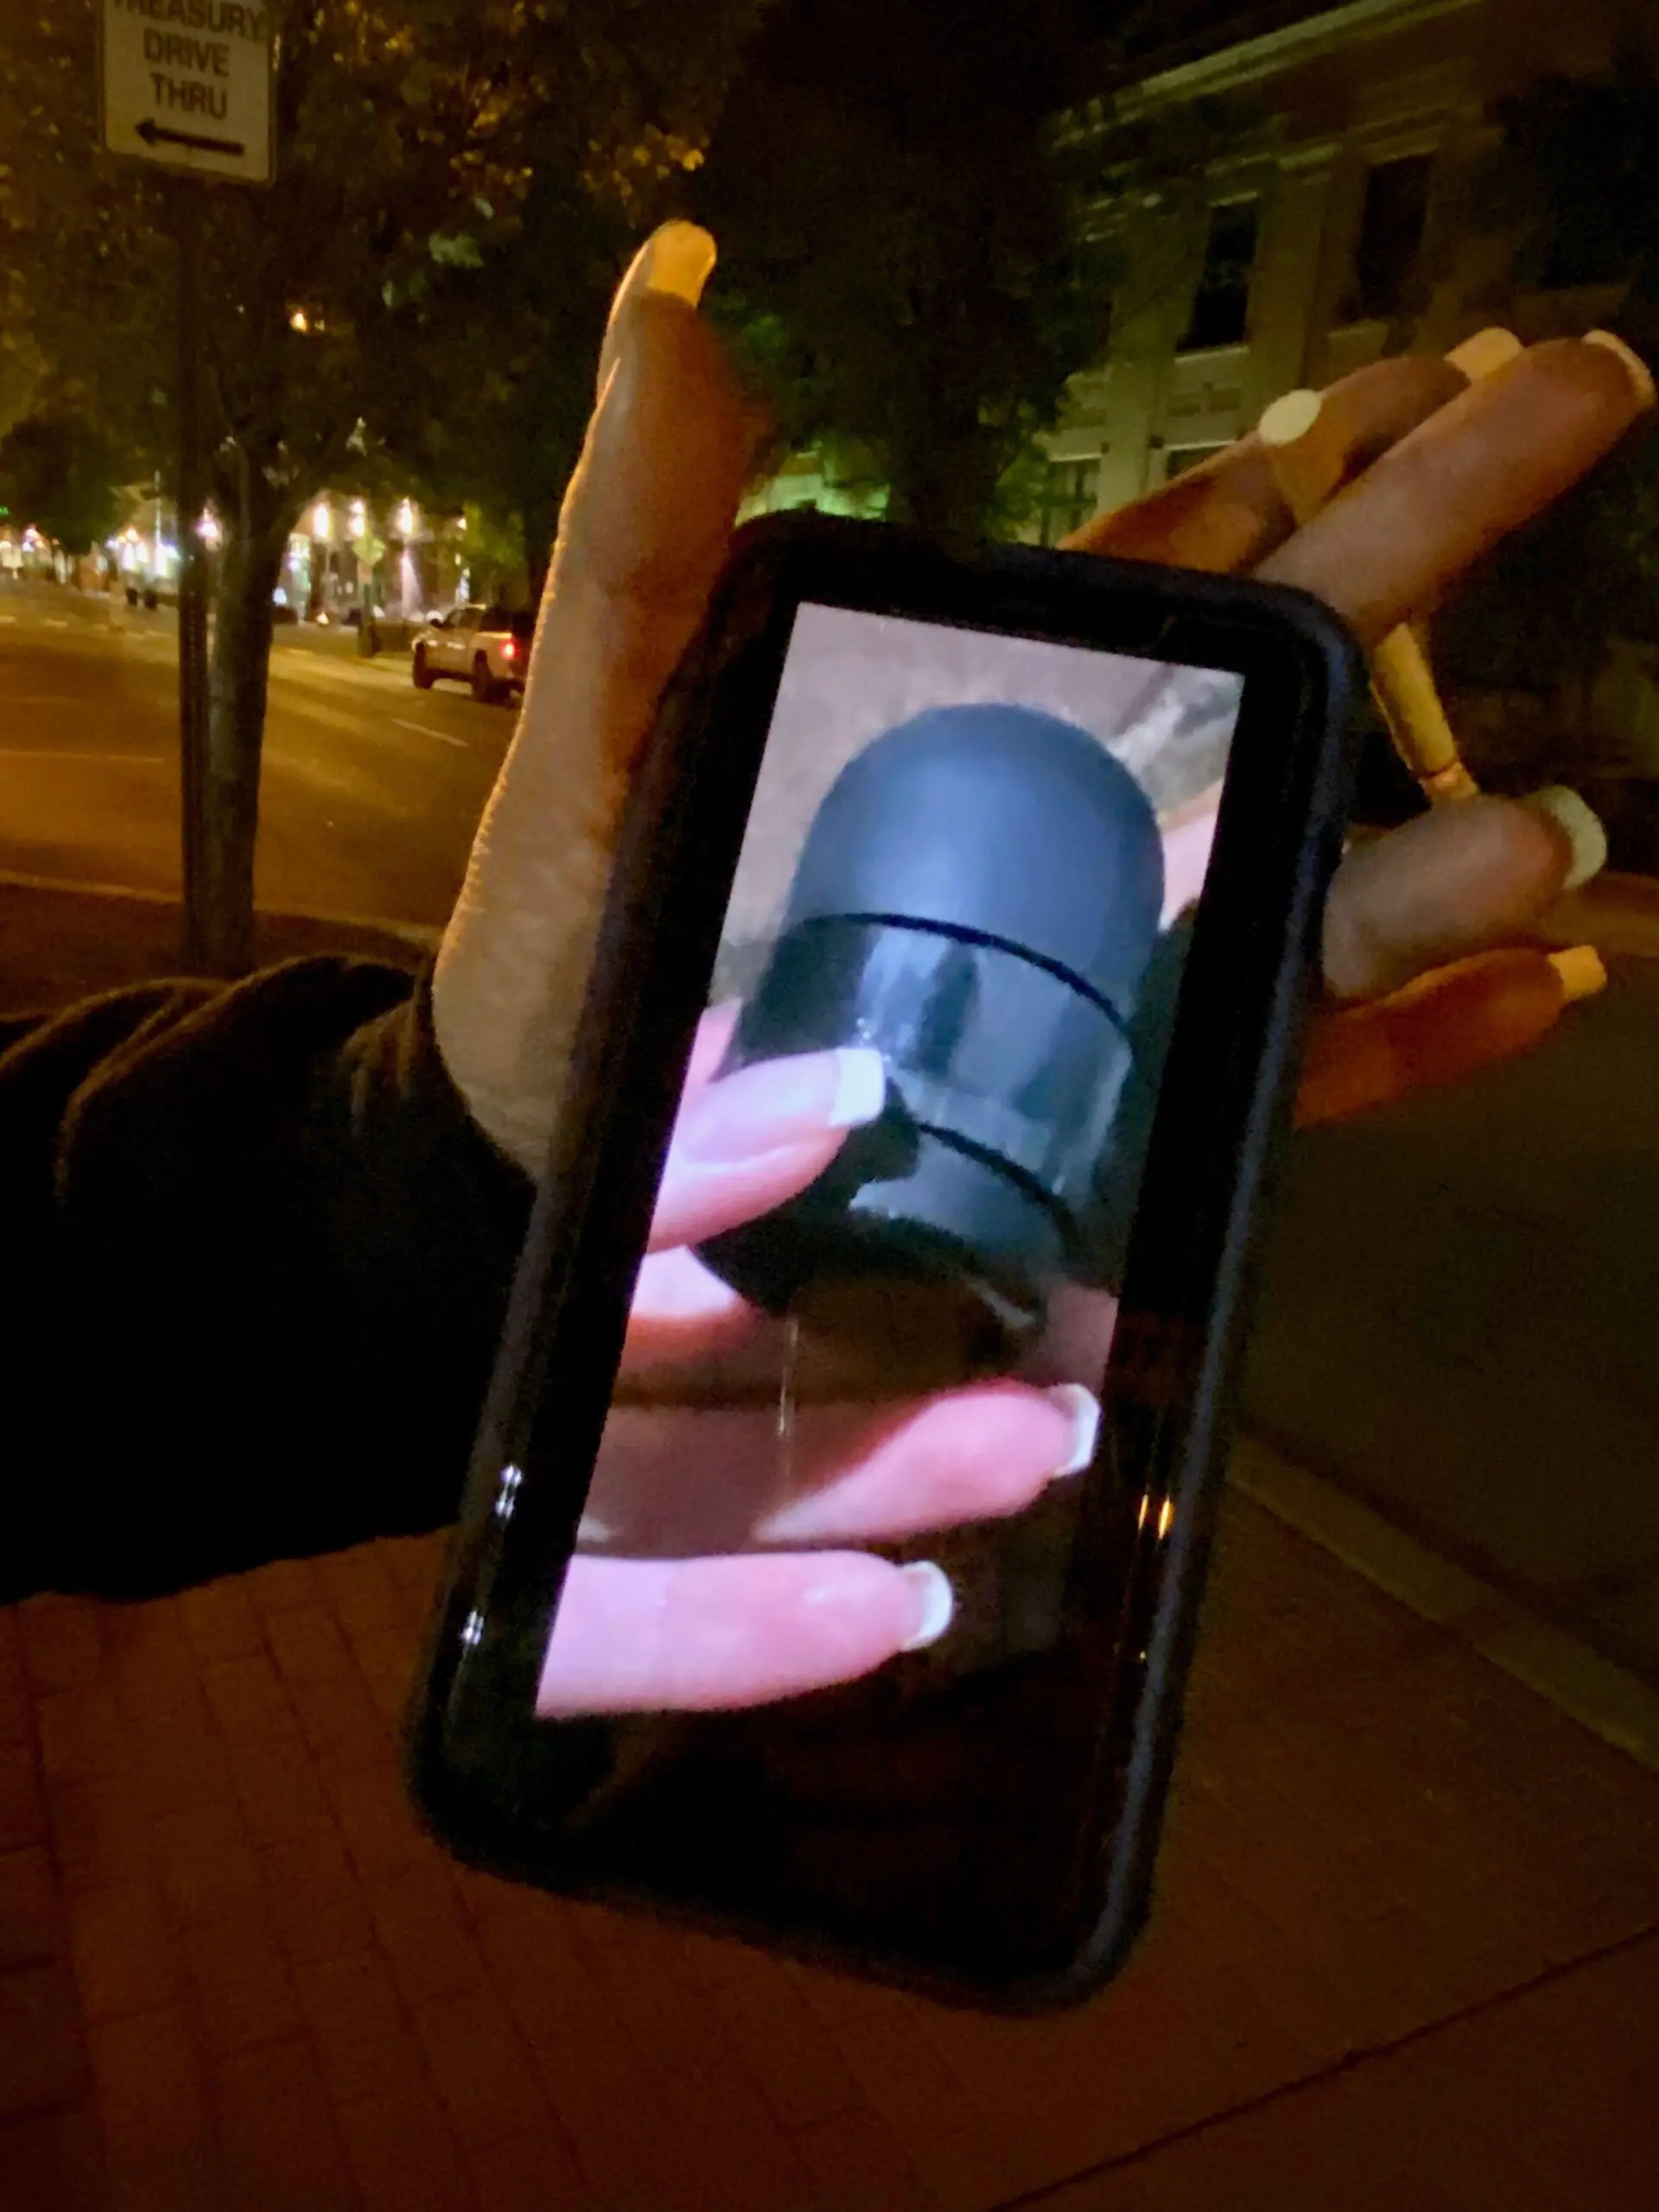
[
  {"x": 57, "y": 475},
  {"x": 902, "y": 253},
  {"x": 349, "y": 318},
  {"x": 509, "y": 449},
  {"x": 411, "y": 136}
]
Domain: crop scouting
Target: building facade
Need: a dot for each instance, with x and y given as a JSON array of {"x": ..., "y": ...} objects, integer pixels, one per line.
[{"x": 1326, "y": 232}]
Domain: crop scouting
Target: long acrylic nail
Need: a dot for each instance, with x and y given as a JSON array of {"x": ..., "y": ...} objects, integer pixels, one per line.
[
  {"x": 936, "y": 1601},
  {"x": 681, "y": 259},
  {"x": 779, "y": 1102},
  {"x": 1581, "y": 826},
  {"x": 1640, "y": 374},
  {"x": 676, "y": 260},
  {"x": 1486, "y": 353},
  {"x": 1082, "y": 1409},
  {"x": 1582, "y": 970}
]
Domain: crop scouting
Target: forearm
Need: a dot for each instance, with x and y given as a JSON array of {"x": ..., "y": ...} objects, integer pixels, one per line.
[{"x": 269, "y": 1253}]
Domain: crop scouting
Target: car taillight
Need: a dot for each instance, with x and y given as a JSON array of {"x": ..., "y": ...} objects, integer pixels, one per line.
[{"x": 509, "y": 649}]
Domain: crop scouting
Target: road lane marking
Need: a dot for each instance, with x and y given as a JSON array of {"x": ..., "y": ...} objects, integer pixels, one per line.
[
  {"x": 69, "y": 753},
  {"x": 425, "y": 935},
  {"x": 420, "y": 730},
  {"x": 57, "y": 621}
]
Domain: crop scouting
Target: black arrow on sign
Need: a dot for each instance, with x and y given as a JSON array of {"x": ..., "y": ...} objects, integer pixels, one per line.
[{"x": 155, "y": 134}]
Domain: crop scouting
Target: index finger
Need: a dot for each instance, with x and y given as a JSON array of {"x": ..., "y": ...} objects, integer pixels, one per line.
[
  {"x": 1443, "y": 496},
  {"x": 1227, "y": 514}
]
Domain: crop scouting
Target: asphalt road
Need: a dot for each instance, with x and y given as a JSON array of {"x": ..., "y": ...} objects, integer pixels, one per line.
[
  {"x": 1461, "y": 1318},
  {"x": 370, "y": 790}
]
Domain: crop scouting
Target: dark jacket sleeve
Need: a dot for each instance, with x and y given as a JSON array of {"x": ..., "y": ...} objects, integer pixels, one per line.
[{"x": 262, "y": 1256}]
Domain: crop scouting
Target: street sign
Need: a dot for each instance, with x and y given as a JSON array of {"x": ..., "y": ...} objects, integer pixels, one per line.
[{"x": 187, "y": 83}]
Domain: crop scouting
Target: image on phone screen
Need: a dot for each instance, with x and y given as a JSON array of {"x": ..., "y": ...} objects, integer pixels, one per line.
[{"x": 850, "y": 1441}]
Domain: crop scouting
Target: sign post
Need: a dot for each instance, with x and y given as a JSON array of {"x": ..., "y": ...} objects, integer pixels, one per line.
[
  {"x": 192, "y": 581},
  {"x": 187, "y": 85}
]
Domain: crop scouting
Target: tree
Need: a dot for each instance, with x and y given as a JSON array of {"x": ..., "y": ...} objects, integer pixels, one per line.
[
  {"x": 508, "y": 453},
  {"x": 903, "y": 256},
  {"x": 924, "y": 237},
  {"x": 411, "y": 136},
  {"x": 57, "y": 475}
]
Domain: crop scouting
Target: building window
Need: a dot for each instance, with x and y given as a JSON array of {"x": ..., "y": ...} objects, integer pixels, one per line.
[
  {"x": 1390, "y": 238},
  {"x": 1178, "y": 459},
  {"x": 1070, "y": 494},
  {"x": 1221, "y": 304}
]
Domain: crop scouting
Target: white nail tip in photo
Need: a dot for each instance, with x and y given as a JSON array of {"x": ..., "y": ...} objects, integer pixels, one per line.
[
  {"x": 935, "y": 1599},
  {"x": 860, "y": 1087},
  {"x": 1083, "y": 1409}
]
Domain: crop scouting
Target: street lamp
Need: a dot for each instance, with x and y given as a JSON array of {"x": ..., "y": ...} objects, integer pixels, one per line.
[{"x": 323, "y": 523}]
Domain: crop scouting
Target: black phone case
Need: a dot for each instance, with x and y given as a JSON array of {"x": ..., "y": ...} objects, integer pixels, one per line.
[{"x": 1217, "y": 1136}]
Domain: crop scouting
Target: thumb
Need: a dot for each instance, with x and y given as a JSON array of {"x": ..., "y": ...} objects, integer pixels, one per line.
[{"x": 641, "y": 541}]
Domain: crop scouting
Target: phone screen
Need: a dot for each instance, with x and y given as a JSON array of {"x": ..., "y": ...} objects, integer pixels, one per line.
[{"x": 848, "y": 1586}]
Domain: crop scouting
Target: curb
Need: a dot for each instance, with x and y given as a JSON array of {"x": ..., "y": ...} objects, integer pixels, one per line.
[
  {"x": 424, "y": 936},
  {"x": 1614, "y": 1703}
]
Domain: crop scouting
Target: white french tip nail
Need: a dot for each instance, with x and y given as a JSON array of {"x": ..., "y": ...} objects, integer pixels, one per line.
[
  {"x": 1580, "y": 824},
  {"x": 860, "y": 1087},
  {"x": 1637, "y": 369},
  {"x": 683, "y": 257},
  {"x": 1486, "y": 353},
  {"x": 935, "y": 1598},
  {"x": 1081, "y": 1407}
]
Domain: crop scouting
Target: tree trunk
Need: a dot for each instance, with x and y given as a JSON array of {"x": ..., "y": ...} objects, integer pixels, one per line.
[
  {"x": 944, "y": 503},
  {"x": 238, "y": 672},
  {"x": 942, "y": 475},
  {"x": 541, "y": 523}
]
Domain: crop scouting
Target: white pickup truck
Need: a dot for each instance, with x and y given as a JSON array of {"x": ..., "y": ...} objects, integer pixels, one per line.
[{"x": 485, "y": 646}]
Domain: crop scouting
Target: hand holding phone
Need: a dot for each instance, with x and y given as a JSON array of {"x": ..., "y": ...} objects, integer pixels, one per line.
[
  {"x": 646, "y": 533},
  {"x": 701, "y": 1583}
]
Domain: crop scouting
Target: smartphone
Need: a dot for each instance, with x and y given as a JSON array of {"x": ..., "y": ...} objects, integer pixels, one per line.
[{"x": 831, "y": 1553}]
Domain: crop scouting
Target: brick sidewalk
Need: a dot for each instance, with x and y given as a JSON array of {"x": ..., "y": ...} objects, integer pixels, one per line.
[
  {"x": 1406, "y": 1957},
  {"x": 1407, "y": 1953}
]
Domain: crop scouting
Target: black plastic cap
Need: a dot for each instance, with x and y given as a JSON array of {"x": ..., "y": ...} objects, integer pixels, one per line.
[{"x": 1000, "y": 821}]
